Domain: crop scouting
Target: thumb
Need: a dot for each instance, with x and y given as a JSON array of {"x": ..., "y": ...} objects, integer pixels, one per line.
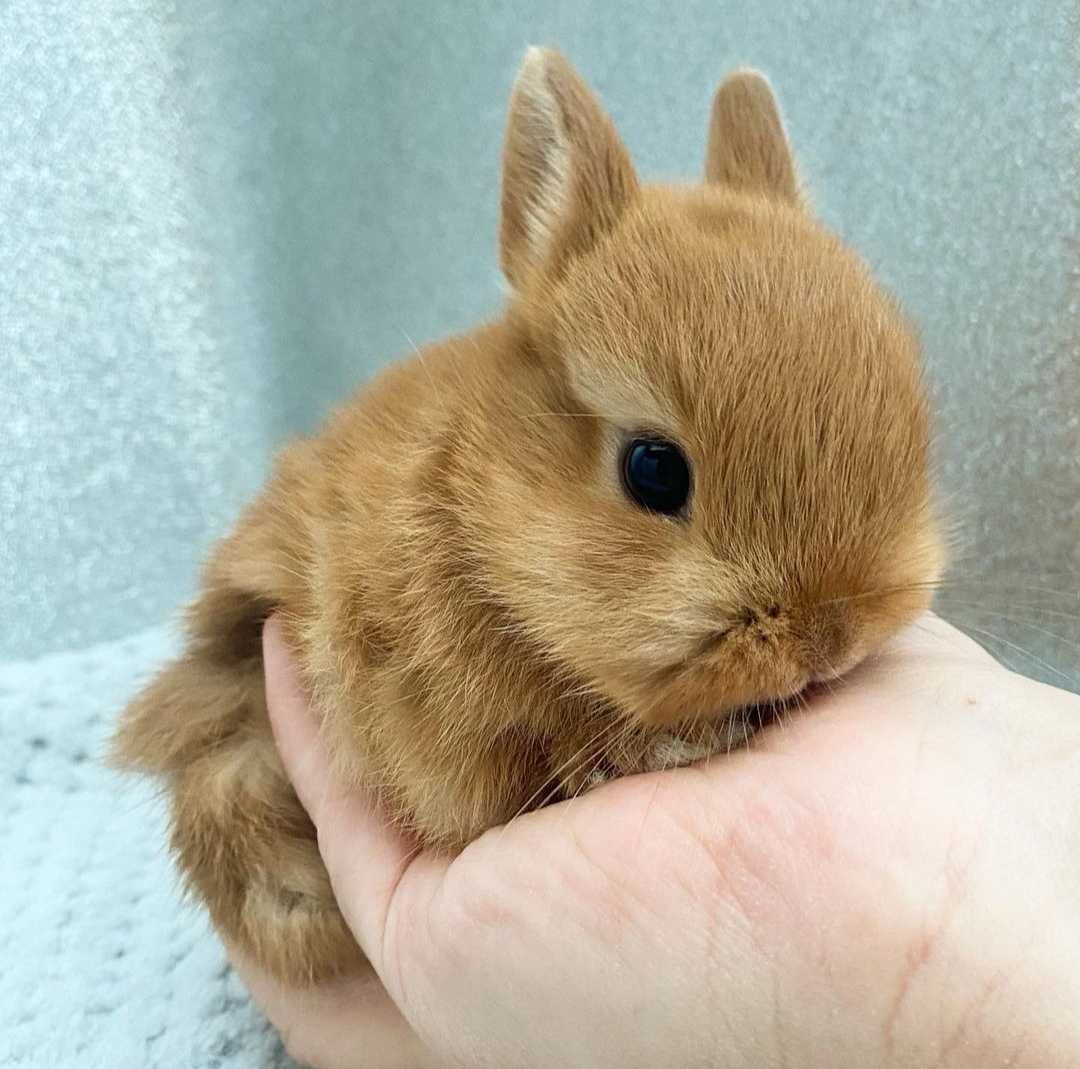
[{"x": 370, "y": 863}]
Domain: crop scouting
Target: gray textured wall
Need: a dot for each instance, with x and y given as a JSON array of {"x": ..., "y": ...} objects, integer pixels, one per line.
[{"x": 218, "y": 217}]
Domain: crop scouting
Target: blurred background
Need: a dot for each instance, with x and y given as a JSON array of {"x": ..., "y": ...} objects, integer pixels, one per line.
[{"x": 217, "y": 219}]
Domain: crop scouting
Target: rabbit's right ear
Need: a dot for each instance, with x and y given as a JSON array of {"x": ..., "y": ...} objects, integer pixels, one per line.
[{"x": 566, "y": 176}]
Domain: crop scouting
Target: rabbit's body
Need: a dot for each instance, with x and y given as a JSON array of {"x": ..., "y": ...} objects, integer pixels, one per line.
[{"x": 487, "y": 615}]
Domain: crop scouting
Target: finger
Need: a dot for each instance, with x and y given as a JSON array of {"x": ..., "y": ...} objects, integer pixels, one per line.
[
  {"x": 348, "y": 1024},
  {"x": 367, "y": 859}
]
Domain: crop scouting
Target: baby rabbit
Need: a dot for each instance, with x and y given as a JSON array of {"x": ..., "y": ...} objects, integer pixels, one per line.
[{"x": 683, "y": 475}]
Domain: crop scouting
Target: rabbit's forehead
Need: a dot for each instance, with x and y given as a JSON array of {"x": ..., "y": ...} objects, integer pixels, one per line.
[{"x": 684, "y": 335}]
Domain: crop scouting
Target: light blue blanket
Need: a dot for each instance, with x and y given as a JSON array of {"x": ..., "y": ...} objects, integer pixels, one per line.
[{"x": 101, "y": 964}]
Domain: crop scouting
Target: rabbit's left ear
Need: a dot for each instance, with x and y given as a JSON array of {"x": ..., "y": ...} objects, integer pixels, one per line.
[
  {"x": 566, "y": 176},
  {"x": 748, "y": 149}
]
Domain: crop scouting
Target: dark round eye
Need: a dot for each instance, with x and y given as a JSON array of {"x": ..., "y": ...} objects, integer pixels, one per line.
[{"x": 656, "y": 474}]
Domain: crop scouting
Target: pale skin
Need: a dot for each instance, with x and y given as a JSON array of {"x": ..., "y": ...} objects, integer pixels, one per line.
[{"x": 891, "y": 879}]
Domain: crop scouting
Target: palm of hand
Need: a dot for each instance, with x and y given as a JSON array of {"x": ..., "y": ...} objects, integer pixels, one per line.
[{"x": 811, "y": 900}]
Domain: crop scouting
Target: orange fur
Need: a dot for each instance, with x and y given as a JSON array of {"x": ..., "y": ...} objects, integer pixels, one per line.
[{"x": 473, "y": 600}]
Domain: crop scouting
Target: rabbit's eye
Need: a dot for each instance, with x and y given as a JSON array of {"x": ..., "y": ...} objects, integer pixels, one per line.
[{"x": 656, "y": 475}]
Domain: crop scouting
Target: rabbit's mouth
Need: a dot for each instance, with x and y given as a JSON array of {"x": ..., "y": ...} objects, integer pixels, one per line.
[{"x": 798, "y": 700}]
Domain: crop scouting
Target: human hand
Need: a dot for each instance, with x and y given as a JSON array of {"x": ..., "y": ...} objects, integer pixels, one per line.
[{"x": 888, "y": 880}]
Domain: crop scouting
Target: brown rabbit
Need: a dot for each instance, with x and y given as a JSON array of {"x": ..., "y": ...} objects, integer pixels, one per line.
[{"x": 684, "y": 474}]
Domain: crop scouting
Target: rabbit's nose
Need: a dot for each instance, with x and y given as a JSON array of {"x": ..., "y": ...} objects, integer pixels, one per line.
[{"x": 764, "y": 620}]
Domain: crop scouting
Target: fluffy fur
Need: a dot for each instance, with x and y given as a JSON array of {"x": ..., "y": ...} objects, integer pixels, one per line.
[{"x": 483, "y": 617}]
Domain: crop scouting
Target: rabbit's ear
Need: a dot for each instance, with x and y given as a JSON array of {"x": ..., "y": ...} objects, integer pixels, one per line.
[
  {"x": 748, "y": 149},
  {"x": 566, "y": 176}
]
